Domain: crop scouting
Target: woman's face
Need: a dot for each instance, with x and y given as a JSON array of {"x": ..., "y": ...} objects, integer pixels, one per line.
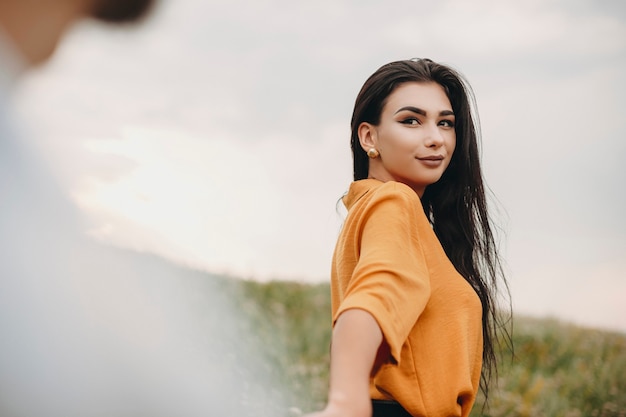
[{"x": 415, "y": 136}]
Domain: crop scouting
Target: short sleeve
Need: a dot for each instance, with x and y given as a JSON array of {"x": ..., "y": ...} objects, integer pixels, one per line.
[{"x": 390, "y": 280}]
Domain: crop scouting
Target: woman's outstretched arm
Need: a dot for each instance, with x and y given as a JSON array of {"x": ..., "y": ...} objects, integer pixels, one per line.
[{"x": 356, "y": 341}]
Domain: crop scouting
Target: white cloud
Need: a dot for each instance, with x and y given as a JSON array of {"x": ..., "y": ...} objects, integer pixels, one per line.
[
  {"x": 201, "y": 196},
  {"x": 591, "y": 296},
  {"x": 263, "y": 208},
  {"x": 499, "y": 30}
]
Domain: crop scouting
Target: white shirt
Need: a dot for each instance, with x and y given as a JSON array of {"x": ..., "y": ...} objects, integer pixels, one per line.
[{"x": 88, "y": 330}]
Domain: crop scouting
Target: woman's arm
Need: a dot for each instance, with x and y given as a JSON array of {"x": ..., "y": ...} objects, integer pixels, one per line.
[{"x": 356, "y": 341}]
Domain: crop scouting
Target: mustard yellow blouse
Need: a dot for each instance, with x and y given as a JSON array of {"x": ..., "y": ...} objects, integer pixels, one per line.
[{"x": 389, "y": 262}]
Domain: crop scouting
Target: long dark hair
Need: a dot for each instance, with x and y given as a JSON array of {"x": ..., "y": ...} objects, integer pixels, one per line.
[{"x": 456, "y": 205}]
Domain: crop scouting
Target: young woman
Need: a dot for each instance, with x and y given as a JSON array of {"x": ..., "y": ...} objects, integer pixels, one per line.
[{"x": 415, "y": 267}]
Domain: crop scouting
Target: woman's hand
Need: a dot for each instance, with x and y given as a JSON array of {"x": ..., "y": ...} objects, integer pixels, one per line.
[{"x": 355, "y": 343}]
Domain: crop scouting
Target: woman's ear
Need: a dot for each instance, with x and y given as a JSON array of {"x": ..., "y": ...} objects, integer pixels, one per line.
[{"x": 367, "y": 136}]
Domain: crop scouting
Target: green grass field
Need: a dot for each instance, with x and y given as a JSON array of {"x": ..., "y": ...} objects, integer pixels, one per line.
[{"x": 558, "y": 369}]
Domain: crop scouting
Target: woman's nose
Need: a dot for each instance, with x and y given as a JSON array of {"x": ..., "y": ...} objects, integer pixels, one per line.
[{"x": 434, "y": 137}]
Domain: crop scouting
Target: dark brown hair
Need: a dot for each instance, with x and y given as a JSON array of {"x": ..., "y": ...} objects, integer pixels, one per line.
[
  {"x": 456, "y": 205},
  {"x": 120, "y": 11}
]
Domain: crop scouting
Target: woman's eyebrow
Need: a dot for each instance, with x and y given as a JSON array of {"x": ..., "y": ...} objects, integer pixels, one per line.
[
  {"x": 412, "y": 109},
  {"x": 423, "y": 112}
]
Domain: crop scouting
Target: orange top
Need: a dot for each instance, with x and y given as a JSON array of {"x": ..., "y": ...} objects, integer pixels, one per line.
[{"x": 389, "y": 262}]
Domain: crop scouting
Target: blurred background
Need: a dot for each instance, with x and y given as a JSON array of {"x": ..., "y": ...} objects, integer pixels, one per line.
[{"x": 216, "y": 135}]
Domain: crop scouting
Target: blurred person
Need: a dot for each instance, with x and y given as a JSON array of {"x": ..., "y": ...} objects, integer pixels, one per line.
[
  {"x": 415, "y": 268},
  {"x": 86, "y": 329}
]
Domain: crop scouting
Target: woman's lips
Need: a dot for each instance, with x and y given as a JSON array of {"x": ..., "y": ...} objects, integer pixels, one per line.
[{"x": 431, "y": 160}]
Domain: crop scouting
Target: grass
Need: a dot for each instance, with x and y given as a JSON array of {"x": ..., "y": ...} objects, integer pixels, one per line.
[
  {"x": 558, "y": 369},
  {"x": 561, "y": 370}
]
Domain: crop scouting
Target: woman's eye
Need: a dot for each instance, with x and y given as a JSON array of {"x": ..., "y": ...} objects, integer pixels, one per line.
[
  {"x": 410, "y": 121},
  {"x": 446, "y": 123}
]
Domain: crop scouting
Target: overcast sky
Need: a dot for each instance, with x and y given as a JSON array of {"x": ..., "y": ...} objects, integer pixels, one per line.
[{"x": 217, "y": 133}]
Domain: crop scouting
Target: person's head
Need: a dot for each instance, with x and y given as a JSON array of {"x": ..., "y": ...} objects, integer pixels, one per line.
[
  {"x": 36, "y": 26},
  {"x": 386, "y": 120}
]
